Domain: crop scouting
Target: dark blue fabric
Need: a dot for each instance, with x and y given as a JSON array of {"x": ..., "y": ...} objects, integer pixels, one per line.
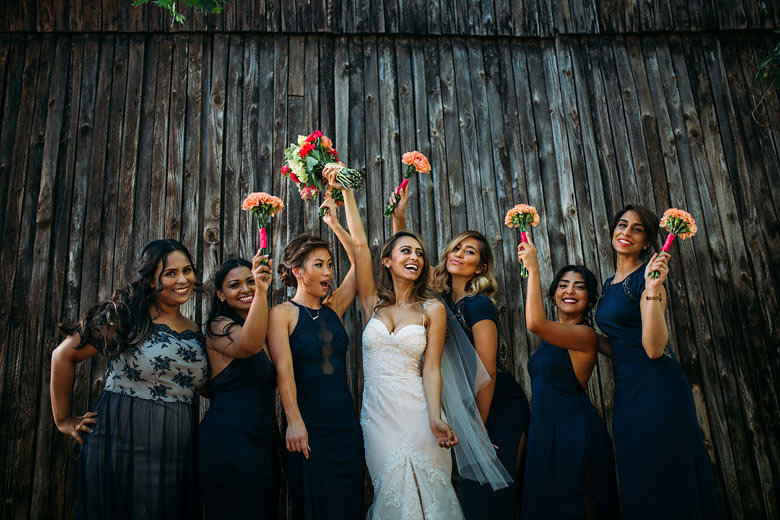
[
  {"x": 507, "y": 421},
  {"x": 139, "y": 460},
  {"x": 569, "y": 466},
  {"x": 662, "y": 466},
  {"x": 237, "y": 470},
  {"x": 329, "y": 484}
]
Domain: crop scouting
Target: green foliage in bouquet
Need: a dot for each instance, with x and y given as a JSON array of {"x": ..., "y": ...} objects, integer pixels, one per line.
[{"x": 207, "y": 6}]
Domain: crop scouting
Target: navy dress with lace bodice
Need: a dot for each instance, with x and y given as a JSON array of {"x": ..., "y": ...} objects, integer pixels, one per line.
[
  {"x": 663, "y": 468},
  {"x": 237, "y": 469},
  {"x": 329, "y": 484},
  {"x": 138, "y": 462}
]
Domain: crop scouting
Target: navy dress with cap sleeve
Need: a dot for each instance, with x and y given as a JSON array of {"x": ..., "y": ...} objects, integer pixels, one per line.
[
  {"x": 329, "y": 484},
  {"x": 238, "y": 471},
  {"x": 569, "y": 465},
  {"x": 507, "y": 420},
  {"x": 139, "y": 460},
  {"x": 663, "y": 468}
]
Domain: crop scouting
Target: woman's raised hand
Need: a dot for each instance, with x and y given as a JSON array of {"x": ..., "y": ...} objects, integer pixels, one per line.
[
  {"x": 329, "y": 173},
  {"x": 660, "y": 263},
  {"x": 261, "y": 272},
  {"x": 331, "y": 217},
  {"x": 527, "y": 255},
  {"x": 402, "y": 198}
]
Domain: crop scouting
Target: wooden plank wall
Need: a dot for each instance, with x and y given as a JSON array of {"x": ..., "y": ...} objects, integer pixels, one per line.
[
  {"x": 540, "y": 18},
  {"x": 107, "y": 141}
]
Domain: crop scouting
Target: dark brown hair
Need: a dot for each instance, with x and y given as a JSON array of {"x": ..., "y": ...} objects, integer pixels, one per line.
[
  {"x": 295, "y": 255},
  {"x": 421, "y": 290},
  {"x": 591, "y": 286},
  {"x": 649, "y": 221}
]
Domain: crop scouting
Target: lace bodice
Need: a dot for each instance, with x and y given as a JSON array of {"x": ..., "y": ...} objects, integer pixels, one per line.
[{"x": 392, "y": 354}]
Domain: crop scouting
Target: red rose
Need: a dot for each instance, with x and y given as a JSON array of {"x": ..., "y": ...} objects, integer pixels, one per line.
[
  {"x": 305, "y": 149},
  {"x": 315, "y": 135},
  {"x": 285, "y": 169},
  {"x": 294, "y": 178}
]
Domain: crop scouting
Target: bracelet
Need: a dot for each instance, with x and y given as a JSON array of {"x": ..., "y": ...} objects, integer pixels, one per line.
[{"x": 654, "y": 298}]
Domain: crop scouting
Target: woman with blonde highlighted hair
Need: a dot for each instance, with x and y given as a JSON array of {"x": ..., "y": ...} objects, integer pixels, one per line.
[{"x": 466, "y": 282}]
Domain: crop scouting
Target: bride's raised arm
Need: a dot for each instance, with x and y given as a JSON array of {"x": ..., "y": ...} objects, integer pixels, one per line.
[{"x": 364, "y": 268}]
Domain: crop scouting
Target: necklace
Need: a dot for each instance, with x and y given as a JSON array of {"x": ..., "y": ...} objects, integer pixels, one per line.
[{"x": 317, "y": 315}]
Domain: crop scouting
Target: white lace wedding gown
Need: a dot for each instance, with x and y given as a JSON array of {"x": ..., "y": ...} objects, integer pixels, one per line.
[{"x": 410, "y": 472}]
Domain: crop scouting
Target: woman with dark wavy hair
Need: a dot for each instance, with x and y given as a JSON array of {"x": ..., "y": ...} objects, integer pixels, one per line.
[
  {"x": 663, "y": 468},
  {"x": 237, "y": 469},
  {"x": 137, "y": 456},
  {"x": 308, "y": 342},
  {"x": 569, "y": 469}
]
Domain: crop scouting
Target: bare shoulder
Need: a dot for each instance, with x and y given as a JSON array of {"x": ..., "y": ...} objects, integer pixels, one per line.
[
  {"x": 191, "y": 325},
  {"x": 435, "y": 309}
]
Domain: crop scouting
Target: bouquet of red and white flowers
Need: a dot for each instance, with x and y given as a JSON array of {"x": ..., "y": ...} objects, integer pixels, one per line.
[
  {"x": 263, "y": 206},
  {"x": 416, "y": 163},
  {"x": 305, "y": 161}
]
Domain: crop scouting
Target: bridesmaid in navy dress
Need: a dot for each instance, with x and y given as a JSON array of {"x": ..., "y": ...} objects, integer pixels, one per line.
[
  {"x": 662, "y": 466},
  {"x": 324, "y": 459},
  {"x": 137, "y": 454},
  {"x": 237, "y": 469},
  {"x": 569, "y": 468},
  {"x": 466, "y": 282}
]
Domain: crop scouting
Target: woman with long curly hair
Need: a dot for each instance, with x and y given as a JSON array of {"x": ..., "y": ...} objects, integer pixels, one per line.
[{"x": 137, "y": 456}]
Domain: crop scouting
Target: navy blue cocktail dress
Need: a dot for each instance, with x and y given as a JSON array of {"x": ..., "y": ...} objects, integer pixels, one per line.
[
  {"x": 662, "y": 466},
  {"x": 139, "y": 460},
  {"x": 329, "y": 484},
  {"x": 237, "y": 469},
  {"x": 569, "y": 466},
  {"x": 507, "y": 421}
]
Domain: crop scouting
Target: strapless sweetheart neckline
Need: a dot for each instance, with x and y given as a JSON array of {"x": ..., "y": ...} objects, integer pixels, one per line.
[{"x": 396, "y": 333}]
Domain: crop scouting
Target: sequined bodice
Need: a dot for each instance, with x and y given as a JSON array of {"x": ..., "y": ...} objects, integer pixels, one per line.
[{"x": 392, "y": 354}]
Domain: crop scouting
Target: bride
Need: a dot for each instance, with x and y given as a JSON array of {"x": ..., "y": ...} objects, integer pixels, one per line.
[{"x": 405, "y": 437}]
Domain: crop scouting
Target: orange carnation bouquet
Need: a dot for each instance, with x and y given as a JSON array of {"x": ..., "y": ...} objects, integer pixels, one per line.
[
  {"x": 678, "y": 223},
  {"x": 263, "y": 206},
  {"x": 522, "y": 216},
  {"x": 416, "y": 163}
]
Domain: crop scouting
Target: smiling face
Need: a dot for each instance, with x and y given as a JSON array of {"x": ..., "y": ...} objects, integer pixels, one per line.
[
  {"x": 238, "y": 289},
  {"x": 176, "y": 281},
  {"x": 316, "y": 273},
  {"x": 406, "y": 259},
  {"x": 630, "y": 236},
  {"x": 464, "y": 259},
  {"x": 571, "y": 294}
]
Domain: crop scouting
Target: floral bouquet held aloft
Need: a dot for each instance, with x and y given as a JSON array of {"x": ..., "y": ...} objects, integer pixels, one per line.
[
  {"x": 678, "y": 223},
  {"x": 521, "y": 216},
  {"x": 305, "y": 161},
  {"x": 263, "y": 206},
  {"x": 416, "y": 163}
]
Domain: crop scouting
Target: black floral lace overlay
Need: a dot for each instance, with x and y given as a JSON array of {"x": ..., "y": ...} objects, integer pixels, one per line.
[{"x": 169, "y": 366}]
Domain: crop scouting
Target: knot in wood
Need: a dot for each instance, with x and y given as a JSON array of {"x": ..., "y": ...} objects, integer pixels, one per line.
[{"x": 211, "y": 235}]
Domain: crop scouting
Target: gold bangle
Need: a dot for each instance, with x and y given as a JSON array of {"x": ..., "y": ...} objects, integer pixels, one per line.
[{"x": 654, "y": 298}]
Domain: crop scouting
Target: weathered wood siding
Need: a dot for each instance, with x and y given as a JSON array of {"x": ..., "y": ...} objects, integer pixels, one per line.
[
  {"x": 541, "y": 18},
  {"x": 107, "y": 141}
]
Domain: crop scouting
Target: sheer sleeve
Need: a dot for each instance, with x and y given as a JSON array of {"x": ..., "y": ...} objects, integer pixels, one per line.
[{"x": 98, "y": 331}]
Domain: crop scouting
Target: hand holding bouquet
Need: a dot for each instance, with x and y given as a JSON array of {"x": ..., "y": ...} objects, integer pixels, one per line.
[
  {"x": 678, "y": 223},
  {"x": 522, "y": 216},
  {"x": 263, "y": 206},
  {"x": 416, "y": 163},
  {"x": 305, "y": 161}
]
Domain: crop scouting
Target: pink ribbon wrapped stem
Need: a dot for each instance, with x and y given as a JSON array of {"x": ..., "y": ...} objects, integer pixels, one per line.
[
  {"x": 263, "y": 238},
  {"x": 523, "y": 237},
  {"x": 668, "y": 243},
  {"x": 402, "y": 186}
]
